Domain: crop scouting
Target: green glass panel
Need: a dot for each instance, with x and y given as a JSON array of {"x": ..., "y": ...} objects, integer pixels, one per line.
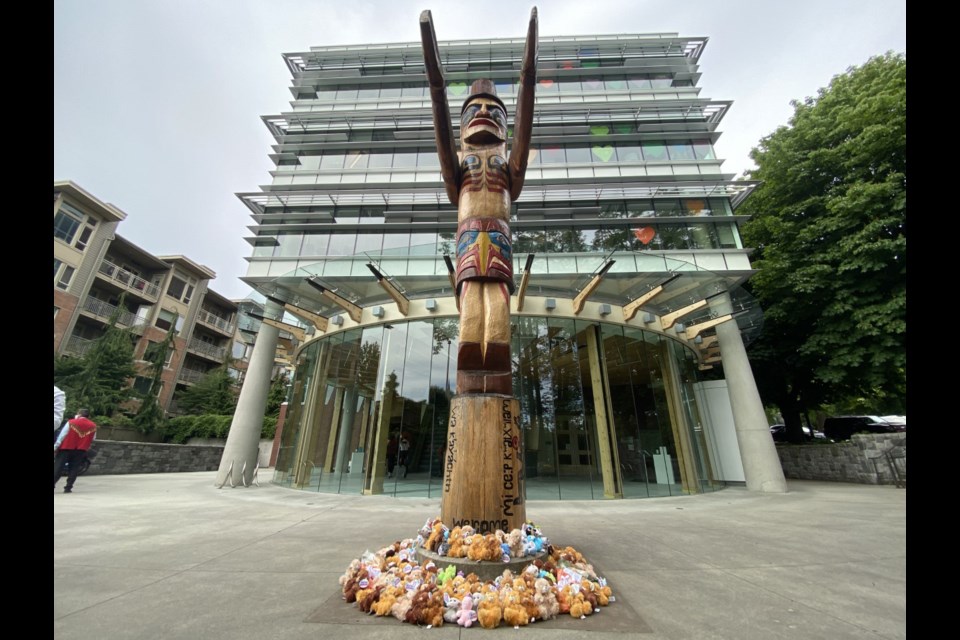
[{"x": 603, "y": 153}]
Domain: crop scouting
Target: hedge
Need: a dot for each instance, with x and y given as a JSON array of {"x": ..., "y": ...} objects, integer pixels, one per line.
[{"x": 179, "y": 430}]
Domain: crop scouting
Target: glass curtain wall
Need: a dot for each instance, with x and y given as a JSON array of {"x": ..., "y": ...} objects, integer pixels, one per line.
[{"x": 607, "y": 411}]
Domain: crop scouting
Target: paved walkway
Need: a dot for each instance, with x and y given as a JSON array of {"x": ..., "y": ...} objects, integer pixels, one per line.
[{"x": 169, "y": 556}]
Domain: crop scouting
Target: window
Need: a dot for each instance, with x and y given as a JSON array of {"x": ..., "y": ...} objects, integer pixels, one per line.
[
  {"x": 180, "y": 288},
  {"x": 142, "y": 384},
  {"x": 62, "y": 274},
  {"x": 65, "y": 226},
  {"x": 165, "y": 319},
  {"x": 68, "y": 221}
]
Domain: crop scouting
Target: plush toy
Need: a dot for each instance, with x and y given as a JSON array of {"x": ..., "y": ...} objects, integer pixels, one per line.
[
  {"x": 367, "y": 603},
  {"x": 432, "y": 614},
  {"x": 545, "y": 599},
  {"x": 355, "y": 584},
  {"x": 466, "y": 616},
  {"x": 436, "y": 537},
  {"x": 388, "y": 597},
  {"x": 491, "y": 548},
  {"x": 514, "y": 613},
  {"x": 514, "y": 541},
  {"x": 402, "y": 606},
  {"x": 451, "y": 608},
  {"x": 489, "y": 612},
  {"x": 447, "y": 573}
]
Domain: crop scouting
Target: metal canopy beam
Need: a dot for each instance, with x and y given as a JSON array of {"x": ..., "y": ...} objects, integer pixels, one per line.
[
  {"x": 585, "y": 293},
  {"x": 318, "y": 321},
  {"x": 524, "y": 281},
  {"x": 403, "y": 303},
  {"x": 353, "y": 310}
]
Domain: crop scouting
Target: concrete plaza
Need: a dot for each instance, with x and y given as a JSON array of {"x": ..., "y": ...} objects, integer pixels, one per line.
[{"x": 171, "y": 556}]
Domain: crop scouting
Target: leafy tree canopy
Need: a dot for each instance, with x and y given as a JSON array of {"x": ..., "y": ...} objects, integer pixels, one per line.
[{"x": 829, "y": 227}]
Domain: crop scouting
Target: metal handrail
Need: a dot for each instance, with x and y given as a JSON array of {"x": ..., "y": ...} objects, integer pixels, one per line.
[
  {"x": 218, "y": 353},
  {"x": 216, "y": 321},
  {"x": 128, "y": 279},
  {"x": 106, "y": 310}
]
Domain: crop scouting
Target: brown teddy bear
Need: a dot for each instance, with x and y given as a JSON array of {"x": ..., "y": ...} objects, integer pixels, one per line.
[
  {"x": 546, "y": 599},
  {"x": 436, "y": 537},
  {"x": 489, "y": 612}
]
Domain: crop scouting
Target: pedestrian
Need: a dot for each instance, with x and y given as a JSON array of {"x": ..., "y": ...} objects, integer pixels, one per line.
[
  {"x": 59, "y": 406},
  {"x": 71, "y": 447},
  {"x": 404, "y": 452},
  {"x": 391, "y": 455}
]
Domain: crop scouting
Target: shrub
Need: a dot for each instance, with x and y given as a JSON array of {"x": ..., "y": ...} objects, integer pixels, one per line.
[{"x": 180, "y": 429}]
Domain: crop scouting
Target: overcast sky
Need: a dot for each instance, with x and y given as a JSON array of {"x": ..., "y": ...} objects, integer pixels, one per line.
[{"x": 157, "y": 103}]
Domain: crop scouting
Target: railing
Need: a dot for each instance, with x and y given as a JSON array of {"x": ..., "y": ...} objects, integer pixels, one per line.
[
  {"x": 217, "y": 353},
  {"x": 191, "y": 375},
  {"x": 128, "y": 279},
  {"x": 106, "y": 310},
  {"x": 216, "y": 321},
  {"x": 78, "y": 346}
]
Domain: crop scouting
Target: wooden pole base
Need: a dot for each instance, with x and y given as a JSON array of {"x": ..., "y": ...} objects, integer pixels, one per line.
[{"x": 483, "y": 480}]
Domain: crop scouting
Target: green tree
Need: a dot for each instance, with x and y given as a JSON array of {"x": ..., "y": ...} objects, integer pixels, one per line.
[
  {"x": 277, "y": 394},
  {"x": 150, "y": 414},
  {"x": 215, "y": 394},
  {"x": 100, "y": 379},
  {"x": 829, "y": 227}
]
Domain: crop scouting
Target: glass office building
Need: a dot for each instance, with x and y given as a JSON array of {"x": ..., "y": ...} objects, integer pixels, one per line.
[{"x": 627, "y": 258}]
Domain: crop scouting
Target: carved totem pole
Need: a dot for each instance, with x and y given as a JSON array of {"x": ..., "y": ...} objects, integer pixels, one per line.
[{"x": 483, "y": 482}]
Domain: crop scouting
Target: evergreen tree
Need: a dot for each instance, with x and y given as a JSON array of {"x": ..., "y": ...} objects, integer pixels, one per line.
[
  {"x": 100, "y": 379},
  {"x": 214, "y": 394},
  {"x": 277, "y": 394},
  {"x": 150, "y": 414}
]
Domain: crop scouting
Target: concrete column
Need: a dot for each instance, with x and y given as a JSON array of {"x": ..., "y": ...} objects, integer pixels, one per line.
[
  {"x": 244, "y": 438},
  {"x": 761, "y": 464}
]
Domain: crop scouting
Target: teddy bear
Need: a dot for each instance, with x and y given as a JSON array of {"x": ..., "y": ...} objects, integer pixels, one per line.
[
  {"x": 514, "y": 613},
  {"x": 489, "y": 612},
  {"x": 492, "y": 549},
  {"x": 388, "y": 597},
  {"x": 417, "y": 606},
  {"x": 402, "y": 606},
  {"x": 546, "y": 599},
  {"x": 432, "y": 612},
  {"x": 436, "y": 536},
  {"x": 466, "y": 616},
  {"x": 514, "y": 540},
  {"x": 352, "y": 586},
  {"x": 366, "y": 604}
]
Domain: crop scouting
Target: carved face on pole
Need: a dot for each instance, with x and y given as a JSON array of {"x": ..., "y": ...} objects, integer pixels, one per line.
[{"x": 483, "y": 121}]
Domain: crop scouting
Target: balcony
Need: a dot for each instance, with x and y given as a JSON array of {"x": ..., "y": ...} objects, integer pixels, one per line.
[
  {"x": 105, "y": 311},
  {"x": 77, "y": 346},
  {"x": 218, "y": 354},
  {"x": 129, "y": 281},
  {"x": 216, "y": 322},
  {"x": 191, "y": 376}
]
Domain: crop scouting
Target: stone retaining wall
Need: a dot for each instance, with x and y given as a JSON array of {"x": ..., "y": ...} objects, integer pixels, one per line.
[
  {"x": 119, "y": 457},
  {"x": 859, "y": 460}
]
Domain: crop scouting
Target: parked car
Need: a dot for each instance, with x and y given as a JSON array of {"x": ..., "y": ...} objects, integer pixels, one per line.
[
  {"x": 779, "y": 433},
  {"x": 839, "y": 428}
]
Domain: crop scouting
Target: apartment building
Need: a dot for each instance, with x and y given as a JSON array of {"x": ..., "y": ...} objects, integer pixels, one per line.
[{"x": 99, "y": 274}]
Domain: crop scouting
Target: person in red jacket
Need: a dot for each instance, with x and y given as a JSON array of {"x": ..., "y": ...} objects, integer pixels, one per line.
[{"x": 71, "y": 447}]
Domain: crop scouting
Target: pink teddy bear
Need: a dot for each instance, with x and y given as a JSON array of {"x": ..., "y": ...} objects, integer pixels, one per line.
[{"x": 467, "y": 615}]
